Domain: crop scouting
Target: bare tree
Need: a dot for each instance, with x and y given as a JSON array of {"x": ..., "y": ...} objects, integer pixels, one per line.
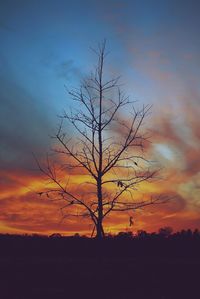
[{"x": 109, "y": 147}]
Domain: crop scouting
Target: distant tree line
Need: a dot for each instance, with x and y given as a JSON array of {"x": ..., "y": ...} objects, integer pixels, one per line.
[
  {"x": 164, "y": 243},
  {"x": 163, "y": 232}
]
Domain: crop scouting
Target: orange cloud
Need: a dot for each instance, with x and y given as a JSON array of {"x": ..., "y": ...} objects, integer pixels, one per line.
[{"x": 175, "y": 148}]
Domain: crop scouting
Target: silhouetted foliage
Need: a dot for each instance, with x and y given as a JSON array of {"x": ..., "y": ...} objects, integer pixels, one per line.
[
  {"x": 165, "y": 231},
  {"x": 162, "y": 243}
]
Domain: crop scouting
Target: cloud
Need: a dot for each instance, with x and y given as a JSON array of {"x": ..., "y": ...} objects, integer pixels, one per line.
[{"x": 30, "y": 214}]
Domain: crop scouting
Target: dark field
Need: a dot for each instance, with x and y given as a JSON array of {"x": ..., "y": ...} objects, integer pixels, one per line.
[{"x": 164, "y": 268}]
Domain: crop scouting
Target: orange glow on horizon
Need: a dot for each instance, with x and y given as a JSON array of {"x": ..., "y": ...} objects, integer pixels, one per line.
[{"x": 24, "y": 211}]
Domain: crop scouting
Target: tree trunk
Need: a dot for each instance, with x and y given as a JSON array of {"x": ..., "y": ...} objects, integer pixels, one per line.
[
  {"x": 99, "y": 226},
  {"x": 100, "y": 231}
]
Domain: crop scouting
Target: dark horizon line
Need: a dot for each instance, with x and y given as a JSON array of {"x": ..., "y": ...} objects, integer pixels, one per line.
[{"x": 161, "y": 231}]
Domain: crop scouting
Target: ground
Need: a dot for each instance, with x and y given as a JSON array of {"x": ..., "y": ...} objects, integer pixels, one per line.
[{"x": 34, "y": 274}]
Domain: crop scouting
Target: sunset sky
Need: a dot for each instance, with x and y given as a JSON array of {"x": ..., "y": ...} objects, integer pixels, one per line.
[{"x": 45, "y": 46}]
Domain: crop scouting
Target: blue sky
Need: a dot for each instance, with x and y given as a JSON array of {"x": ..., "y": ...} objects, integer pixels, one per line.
[{"x": 45, "y": 45}]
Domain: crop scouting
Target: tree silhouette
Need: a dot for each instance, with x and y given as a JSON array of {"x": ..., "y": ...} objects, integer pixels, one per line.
[
  {"x": 165, "y": 231},
  {"x": 109, "y": 147}
]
